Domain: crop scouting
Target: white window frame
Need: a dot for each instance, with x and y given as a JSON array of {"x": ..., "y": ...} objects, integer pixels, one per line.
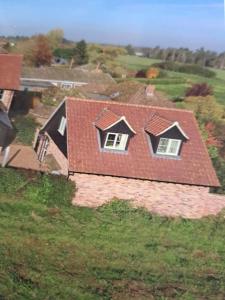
[
  {"x": 62, "y": 126},
  {"x": 66, "y": 85},
  {"x": 122, "y": 144},
  {"x": 167, "y": 152},
  {"x": 1, "y": 94}
]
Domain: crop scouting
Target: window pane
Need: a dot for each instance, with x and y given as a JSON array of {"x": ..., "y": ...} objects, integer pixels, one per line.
[
  {"x": 163, "y": 144},
  {"x": 110, "y": 140},
  {"x": 118, "y": 140},
  {"x": 173, "y": 149}
]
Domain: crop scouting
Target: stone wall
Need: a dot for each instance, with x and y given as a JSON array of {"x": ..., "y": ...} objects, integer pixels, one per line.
[{"x": 162, "y": 198}]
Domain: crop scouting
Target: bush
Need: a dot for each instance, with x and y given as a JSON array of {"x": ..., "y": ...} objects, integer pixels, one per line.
[
  {"x": 185, "y": 68},
  {"x": 199, "y": 89},
  {"x": 25, "y": 127},
  {"x": 51, "y": 191},
  {"x": 152, "y": 73}
]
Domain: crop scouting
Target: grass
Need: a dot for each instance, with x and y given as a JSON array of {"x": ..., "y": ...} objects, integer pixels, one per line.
[
  {"x": 51, "y": 250},
  {"x": 174, "y": 90},
  {"x": 132, "y": 62},
  {"x": 25, "y": 127}
]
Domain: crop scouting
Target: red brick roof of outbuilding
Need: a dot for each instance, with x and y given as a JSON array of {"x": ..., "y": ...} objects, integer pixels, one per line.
[
  {"x": 106, "y": 119},
  {"x": 85, "y": 156},
  {"x": 10, "y": 71}
]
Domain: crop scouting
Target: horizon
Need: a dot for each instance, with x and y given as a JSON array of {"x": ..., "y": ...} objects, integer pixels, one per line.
[{"x": 144, "y": 23}]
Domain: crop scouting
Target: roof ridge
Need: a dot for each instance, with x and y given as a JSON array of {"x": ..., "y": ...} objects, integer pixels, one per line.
[{"x": 130, "y": 104}]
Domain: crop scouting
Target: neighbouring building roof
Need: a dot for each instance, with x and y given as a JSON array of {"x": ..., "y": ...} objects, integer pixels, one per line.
[
  {"x": 137, "y": 93},
  {"x": 84, "y": 154},
  {"x": 66, "y": 74},
  {"x": 10, "y": 71}
]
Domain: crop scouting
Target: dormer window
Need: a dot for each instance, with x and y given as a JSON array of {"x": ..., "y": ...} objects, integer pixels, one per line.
[
  {"x": 116, "y": 141},
  {"x": 166, "y": 137},
  {"x": 168, "y": 146},
  {"x": 114, "y": 131}
]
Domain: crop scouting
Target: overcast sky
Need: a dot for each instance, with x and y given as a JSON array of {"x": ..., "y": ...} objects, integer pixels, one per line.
[{"x": 167, "y": 23}]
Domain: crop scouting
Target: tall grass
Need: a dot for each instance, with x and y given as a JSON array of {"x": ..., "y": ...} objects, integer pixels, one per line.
[{"x": 52, "y": 250}]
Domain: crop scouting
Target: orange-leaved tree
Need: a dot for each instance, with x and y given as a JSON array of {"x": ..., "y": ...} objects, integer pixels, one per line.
[{"x": 152, "y": 73}]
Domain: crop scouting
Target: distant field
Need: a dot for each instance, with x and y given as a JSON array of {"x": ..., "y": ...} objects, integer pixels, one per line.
[
  {"x": 177, "y": 89},
  {"x": 135, "y": 62}
]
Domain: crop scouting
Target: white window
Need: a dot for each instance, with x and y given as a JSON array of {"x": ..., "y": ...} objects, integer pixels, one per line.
[
  {"x": 116, "y": 141},
  {"x": 168, "y": 146},
  {"x": 67, "y": 86},
  {"x": 62, "y": 126},
  {"x": 1, "y": 94}
]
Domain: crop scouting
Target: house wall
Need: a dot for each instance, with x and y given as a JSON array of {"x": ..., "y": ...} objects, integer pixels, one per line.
[
  {"x": 58, "y": 155},
  {"x": 7, "y": 99},
  {"x": 52, "y": 130},
  {"x": 162, "y": 198}
]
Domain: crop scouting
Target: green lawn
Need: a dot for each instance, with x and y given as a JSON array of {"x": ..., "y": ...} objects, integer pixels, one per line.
[
  {"x": 178, "y": 89},
  {"x": 51, "y": 250},
  {"x": 132, "y": 62}
]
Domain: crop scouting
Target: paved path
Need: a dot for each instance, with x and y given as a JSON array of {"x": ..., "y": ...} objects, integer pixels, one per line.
[{"x": 23, "y": 157}]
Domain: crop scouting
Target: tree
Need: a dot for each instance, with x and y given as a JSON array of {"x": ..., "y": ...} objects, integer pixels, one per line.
[
  {"x": 130, "y": 50},
  {"x": 41, "y": 54},
  {"x": 152, "y": 73},
  {"x": 206, "y": 108},
  {"x": 55, "y": 38},
  {"x": 80, "y": 53},
  {"x": 199, "y": 89}
]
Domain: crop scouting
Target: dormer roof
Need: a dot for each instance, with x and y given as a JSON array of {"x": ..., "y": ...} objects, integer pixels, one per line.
[
  {"x": 159, "y": 125},
  {"x": 108, "y": 119}
]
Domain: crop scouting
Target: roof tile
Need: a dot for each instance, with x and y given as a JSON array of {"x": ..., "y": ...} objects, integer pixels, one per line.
[
  {"x": 10, "y": 70},
  {"x": 84, "y": 156}
]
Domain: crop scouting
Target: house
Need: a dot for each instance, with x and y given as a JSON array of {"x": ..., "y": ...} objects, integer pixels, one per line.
[
  {"x": 7, "y": 134},
  {"x": 10, "y": 71},
  {"x": 137, "y": 93},
  {"x": 113, "y": 149},
  {"x": 38, "y": 79}
]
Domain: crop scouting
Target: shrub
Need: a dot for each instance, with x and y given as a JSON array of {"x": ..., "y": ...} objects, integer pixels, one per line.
[
  {"x": 152, "y": 73},
  {"x": 185, "y": 68},
  {"x": 25, "y": 127},
  {"x": 199, "y": 89},
  {"x": 51, "y": 190},
  {"x": 141, "y": 74}
]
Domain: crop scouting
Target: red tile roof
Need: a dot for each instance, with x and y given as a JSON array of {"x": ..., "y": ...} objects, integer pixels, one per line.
[
  {"x": 10, "y": 71},
  {"x": 106, "y": 119},
  {"x": 84, "y": 155},
  {"x": 158, "y": 124}
]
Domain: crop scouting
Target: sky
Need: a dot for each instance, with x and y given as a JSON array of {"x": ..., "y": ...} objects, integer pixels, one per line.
[{"x": 165, "y": 23}]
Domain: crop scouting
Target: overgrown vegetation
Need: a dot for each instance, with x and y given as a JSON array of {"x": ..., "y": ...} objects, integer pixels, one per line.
[
  {"x": 51, "y": 250},
  {"x": 25, "y": 127},
  {"x": 185, "y": 68}
]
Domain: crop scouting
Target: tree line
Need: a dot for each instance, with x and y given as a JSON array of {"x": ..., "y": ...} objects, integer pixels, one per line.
[{"x": 202, "y": 57}]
